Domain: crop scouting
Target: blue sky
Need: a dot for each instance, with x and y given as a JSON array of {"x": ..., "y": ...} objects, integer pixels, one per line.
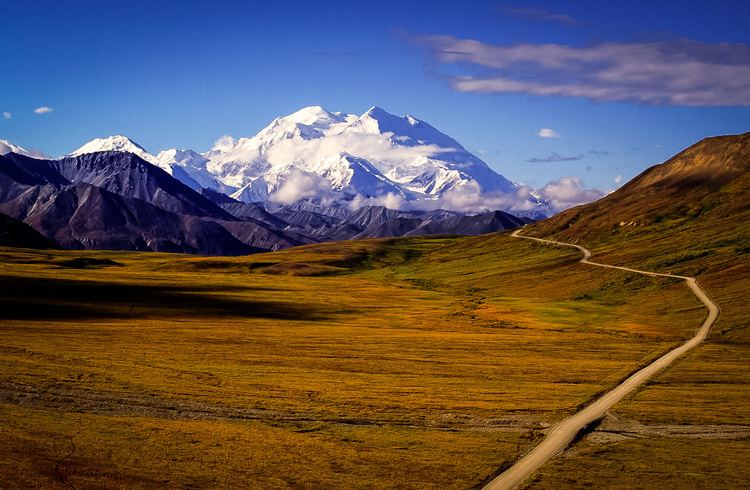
[{"x": 169, "y": 74}]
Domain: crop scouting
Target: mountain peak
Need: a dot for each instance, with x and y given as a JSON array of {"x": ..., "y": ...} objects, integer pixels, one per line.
[
  {"x": 379, "y": 114},
  {"x": 375, "y": 110},
  {"x": 314, "y": 115},
  {"x": 317, "y": 153},
  {"x": 177, "y": 153},
  {"x": 385, "y": 118},
  {"x": 117, "y": 140},
  {"x": 408, "y": 129},
  {"x": 115, "y": 143},
  {"x": 8, "y": 147},
  {"x": 312, "y": 109}
]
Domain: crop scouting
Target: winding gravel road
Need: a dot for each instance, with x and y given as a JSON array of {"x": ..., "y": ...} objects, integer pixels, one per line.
[{"x": 562, "y": 434}]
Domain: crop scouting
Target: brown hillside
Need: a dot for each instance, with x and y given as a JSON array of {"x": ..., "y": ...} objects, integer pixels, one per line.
[{"x": 709, "y": 179}]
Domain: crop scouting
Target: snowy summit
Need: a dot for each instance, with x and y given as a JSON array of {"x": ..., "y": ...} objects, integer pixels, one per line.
[
  {"x": 8, "y": 147},
  {"x": 114, "y": 143},
  {"x": 332, "y": 157}
]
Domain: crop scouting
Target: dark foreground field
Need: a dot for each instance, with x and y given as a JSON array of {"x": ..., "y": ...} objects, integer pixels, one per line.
[{"x": 422, "y": 362}]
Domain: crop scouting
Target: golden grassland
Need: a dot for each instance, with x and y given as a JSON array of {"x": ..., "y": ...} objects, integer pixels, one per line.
[
  {"x": 418, "y": 362},
  {"x": 710, "y": 386},
  {"x": 649, "y": 462}
]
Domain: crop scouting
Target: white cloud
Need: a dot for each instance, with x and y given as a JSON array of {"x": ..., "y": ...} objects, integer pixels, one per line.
[
  {"x": 389, "y": 200},
  {"x": 567, "y": 192},
  {"x": 375, "y": 148},
  {"x": 371, "y": 147},
  {"x": 43, "y": 110},
  {"x": 7, "y": 115},
  {"x": 680, "y": 73},
  {"x": 469, "y": 198},
  {"x": 300, "y": 185},
  {"x": 224, "y": 143},
  {"x": 618, "y": 179},
  {"x": 559, "y": 195},
  {"x": 548, "y": 133},
  {"x": 288, "y": 182}
]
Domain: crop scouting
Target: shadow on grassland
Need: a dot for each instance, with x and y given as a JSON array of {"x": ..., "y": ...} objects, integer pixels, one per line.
[{"x": 23, "y": 298}]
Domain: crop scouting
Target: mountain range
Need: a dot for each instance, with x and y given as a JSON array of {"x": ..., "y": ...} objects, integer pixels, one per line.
[
  {"x": 308, "y": 177},
  {"x": 375, "y": 158},
  {"x": 117, "y": 200},
  {"x": 316, "y": 176}
]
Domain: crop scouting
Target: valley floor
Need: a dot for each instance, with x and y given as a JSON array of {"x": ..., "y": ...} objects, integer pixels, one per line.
[
  {"x": 420, "y": 362},
  {"x": 689, "y": 427}
]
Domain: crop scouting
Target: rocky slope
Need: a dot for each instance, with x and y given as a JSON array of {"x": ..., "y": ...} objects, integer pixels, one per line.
[{"x": 116, "y": 200}]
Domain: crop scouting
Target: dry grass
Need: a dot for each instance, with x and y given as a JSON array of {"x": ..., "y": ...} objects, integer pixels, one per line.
[
  {"x": 701, "y": 230},
  {"x": 650, "y": 462},
  {"x": 48, "y": 449},
  {"x": 422, "y": 362}
]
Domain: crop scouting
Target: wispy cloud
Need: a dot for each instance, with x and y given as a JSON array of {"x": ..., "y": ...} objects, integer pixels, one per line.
[
  {"x": 7, "y": 115},
  {"x": 618, "y": 179},
  {"x": 599, "y": 153},
  {"x": 554, "y": 157},
  {"x": 43, "y": 110},
  {"x": 539, "y": 15},
  {"x": 680, "y": 73},
  {"x": 548, "y": 133}
]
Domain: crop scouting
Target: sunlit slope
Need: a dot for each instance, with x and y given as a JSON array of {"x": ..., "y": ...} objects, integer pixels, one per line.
[
  {"x": 691, "y": 216},
  {"x": 399, "y": 362},
  {"x": 708, "y": 181}
]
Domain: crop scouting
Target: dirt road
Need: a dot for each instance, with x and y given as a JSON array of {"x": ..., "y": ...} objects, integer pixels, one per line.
[{"x": 561, "y": 435}]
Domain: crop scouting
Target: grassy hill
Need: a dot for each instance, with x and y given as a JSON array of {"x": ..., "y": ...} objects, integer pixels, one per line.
[
  {"x": 708, "y": 181},
  {"x": 689, "y": 215}
]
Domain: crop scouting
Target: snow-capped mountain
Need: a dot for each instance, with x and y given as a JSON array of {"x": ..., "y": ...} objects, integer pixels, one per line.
[
  {"x": 189, "y": 168},
  {"x": 115, "y": 143},
  {"x": 375, "y": 158},
  {"x": 371, "y": 155},
  {"x": 186, "y": 166},
  {"x": 8, "y": 147}
]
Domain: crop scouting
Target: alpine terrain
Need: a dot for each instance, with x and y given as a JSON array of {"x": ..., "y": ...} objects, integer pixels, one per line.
[
  {"x": 309, "y": 177},
  {"x": 401, "y": 361},
  {"x": 338, "y": 159}
]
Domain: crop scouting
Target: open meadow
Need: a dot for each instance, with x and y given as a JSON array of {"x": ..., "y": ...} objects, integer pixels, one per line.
[
  {"x": 391, "y": 362},
  {"x": 689, "y": 426}
]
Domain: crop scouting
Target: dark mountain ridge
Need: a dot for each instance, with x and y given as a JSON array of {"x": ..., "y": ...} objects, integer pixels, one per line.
[
  {"x": 128, "y": 175},
  {"x": 14, "y": 233},
  {"x": 116, "y": 200}
]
